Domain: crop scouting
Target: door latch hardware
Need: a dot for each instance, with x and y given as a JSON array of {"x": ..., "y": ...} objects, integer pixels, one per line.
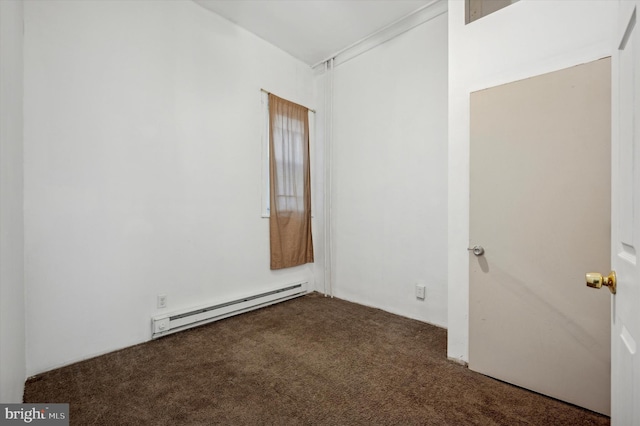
[
  {"x": 477, "y": 250},
  {"x": 597, "y": 280}
]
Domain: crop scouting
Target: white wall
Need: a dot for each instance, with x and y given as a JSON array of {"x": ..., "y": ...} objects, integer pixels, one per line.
[
  {"x": 389, "y": 191},
  {"x": 142, "y": 168},
  {"x": 528, "y": 38},
  {"x": 12, "y": 309}
]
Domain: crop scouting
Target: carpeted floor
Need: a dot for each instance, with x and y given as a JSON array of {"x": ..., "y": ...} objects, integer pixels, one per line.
[{"x": 308, "y": 361}]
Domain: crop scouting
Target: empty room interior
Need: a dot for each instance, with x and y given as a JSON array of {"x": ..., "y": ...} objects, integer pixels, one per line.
[{"x": 320, "y": 212}]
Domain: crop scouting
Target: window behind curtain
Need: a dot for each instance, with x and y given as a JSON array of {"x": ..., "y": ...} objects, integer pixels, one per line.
[{"x": 290, "y": 184}]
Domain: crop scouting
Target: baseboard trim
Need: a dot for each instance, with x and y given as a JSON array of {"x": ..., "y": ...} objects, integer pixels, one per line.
[{"x": 458, "y": 361}]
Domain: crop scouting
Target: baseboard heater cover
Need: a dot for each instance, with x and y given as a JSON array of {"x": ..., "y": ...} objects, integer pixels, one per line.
[{"x": 162, "y": 325}]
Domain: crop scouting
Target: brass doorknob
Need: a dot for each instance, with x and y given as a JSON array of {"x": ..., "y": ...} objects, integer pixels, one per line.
[{"x": 596, "y": 280}]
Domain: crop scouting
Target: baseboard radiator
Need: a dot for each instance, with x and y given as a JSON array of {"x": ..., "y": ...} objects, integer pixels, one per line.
[{"x": 164, "y": 324}]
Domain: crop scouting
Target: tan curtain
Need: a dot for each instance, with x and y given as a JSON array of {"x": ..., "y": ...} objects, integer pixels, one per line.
[{"x": 290, "y": 184}]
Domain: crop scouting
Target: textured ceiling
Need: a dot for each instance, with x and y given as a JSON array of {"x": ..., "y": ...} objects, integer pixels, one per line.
[{"x": 312, "y": 30}]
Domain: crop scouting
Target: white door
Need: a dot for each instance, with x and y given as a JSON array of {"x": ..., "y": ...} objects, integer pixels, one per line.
[
  {"x": 625, "y": 209},
  {"x": 539, "y": 205}
]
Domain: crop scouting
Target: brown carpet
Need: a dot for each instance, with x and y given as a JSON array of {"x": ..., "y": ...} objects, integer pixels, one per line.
[{"x": 308, "y": 361}]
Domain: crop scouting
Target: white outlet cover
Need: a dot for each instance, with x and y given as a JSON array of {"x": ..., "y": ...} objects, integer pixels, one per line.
[{"x": 162, "y": 301}]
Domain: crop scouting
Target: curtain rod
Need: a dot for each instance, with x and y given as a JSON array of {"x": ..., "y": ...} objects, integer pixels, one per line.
[{"x": 269, "y": 93}]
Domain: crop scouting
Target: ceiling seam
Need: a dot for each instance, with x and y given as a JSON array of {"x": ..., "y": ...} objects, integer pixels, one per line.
[{"x": 398, "y": 24}]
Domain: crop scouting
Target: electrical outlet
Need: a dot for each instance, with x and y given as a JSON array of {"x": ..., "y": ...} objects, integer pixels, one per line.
[
  {"x": 421, "y": 291},
  {"x": 162, "y": 301}
]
